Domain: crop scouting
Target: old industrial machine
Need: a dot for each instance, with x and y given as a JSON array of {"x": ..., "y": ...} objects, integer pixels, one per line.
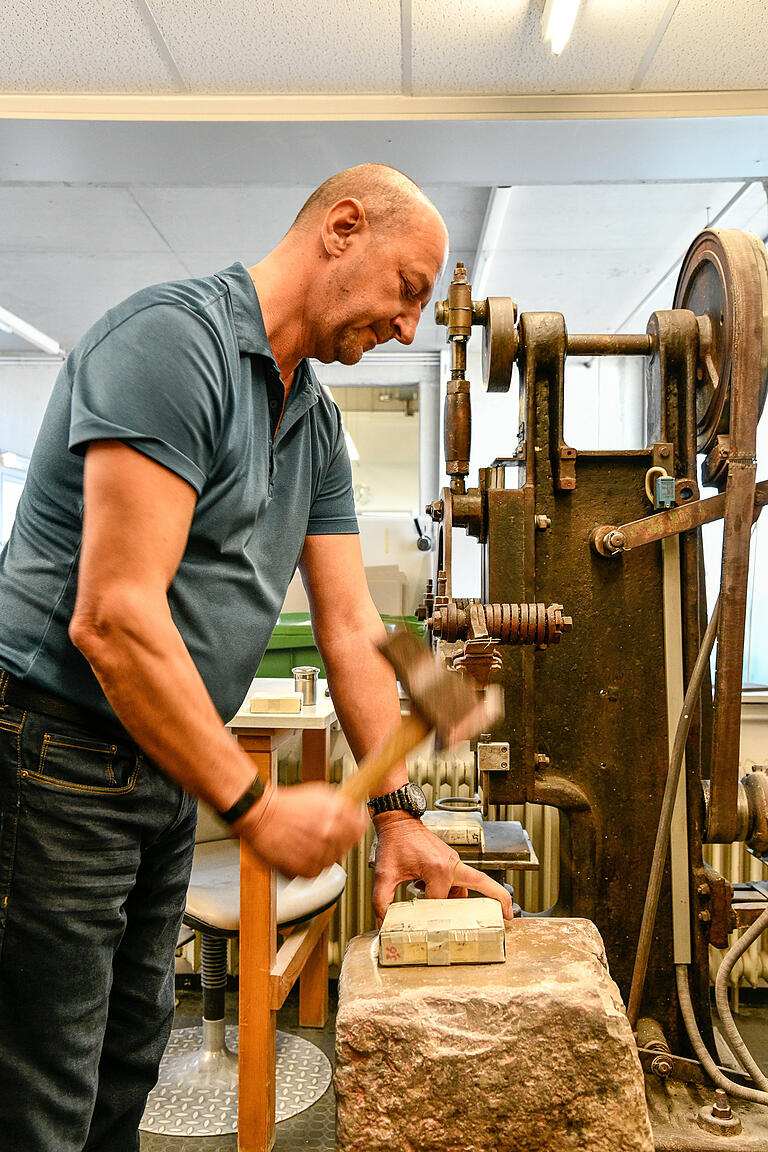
[{"x": 599, "y": 553}]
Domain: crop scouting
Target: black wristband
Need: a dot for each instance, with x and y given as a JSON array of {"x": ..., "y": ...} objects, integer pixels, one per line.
[{"x": 253, "y": 792}]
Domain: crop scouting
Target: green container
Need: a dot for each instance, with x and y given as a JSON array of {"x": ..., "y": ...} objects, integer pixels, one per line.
[{"x": 292, "y": 643}]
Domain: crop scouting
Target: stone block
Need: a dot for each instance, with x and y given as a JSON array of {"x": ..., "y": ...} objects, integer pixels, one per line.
[{"x": 532, "y": 1054}]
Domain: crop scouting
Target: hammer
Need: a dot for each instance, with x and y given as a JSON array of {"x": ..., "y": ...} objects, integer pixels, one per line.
[{"x": 440, "y": 700}]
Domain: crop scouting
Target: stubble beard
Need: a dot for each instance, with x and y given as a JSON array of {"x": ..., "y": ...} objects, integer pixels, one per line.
[{"x": 348, "y": 347}]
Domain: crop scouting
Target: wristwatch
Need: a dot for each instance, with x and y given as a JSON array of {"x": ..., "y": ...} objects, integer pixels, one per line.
[
  {"x": 409, "y": 798},
  {"x": 253, "y": 792}
]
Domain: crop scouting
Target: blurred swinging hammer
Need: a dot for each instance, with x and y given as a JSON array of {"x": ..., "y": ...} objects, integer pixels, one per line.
[{"x": 440, "y": 699}]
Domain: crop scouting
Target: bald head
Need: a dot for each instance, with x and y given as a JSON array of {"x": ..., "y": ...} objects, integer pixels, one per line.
[{"x": 388, "y": 196}]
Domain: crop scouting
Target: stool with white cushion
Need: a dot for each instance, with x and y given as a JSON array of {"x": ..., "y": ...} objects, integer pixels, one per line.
[{"x": 196, "y": 1093}]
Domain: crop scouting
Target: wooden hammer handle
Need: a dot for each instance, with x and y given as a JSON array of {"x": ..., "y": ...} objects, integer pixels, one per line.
[{"x": 375, "y": 766}]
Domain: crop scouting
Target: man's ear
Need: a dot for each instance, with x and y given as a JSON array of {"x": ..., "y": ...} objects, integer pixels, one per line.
[{"x": 343, "y": 221}]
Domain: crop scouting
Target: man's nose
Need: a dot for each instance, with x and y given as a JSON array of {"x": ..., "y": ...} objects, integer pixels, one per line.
[{"x": 405, "y": 327}]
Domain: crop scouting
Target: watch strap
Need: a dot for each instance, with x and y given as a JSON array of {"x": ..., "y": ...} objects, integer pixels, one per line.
[
  {"x": 252, "y": 794},
  {"x": 396, "y": 801}
]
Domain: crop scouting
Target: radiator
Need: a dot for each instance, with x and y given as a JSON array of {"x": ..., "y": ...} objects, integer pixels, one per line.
[{"x": 737, "y": 865}]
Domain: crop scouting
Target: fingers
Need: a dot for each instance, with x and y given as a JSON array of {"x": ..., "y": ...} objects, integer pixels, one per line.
[
  {"x": 302, "y": 829},
  {"x": 383, "y": 894},
  {"x": 471, "y": 878}
]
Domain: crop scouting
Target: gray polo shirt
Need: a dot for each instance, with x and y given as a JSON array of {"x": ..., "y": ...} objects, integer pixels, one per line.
[{"x": 183, "y": 372}]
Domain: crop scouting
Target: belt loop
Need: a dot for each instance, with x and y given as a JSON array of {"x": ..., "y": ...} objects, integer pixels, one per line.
[{"x": 4, "y": 678}]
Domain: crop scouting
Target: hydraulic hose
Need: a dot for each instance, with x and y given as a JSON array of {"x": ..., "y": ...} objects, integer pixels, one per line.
[
  {"x": 716, "y": 1076},
  {"x": 665, "y": 818},
  {"x": 732, "y": 1034}
]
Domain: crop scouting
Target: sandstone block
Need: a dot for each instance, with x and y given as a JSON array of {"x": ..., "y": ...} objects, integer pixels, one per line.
[{"x": 532, "y": 1055}]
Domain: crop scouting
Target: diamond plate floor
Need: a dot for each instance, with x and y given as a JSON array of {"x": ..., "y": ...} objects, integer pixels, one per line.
[{"x": 313, "y": 1129}]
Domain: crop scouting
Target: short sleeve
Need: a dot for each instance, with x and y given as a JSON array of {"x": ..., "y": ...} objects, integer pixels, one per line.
[
  {"x": 155, "y": 381},
  {"x": 333, "y": 509}
]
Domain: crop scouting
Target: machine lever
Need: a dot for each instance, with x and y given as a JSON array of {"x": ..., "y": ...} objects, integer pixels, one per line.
[{"x": 608, "y": 540}]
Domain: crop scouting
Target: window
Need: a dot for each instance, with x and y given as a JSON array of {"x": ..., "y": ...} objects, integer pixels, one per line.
[{"x": 382, "y": 426}]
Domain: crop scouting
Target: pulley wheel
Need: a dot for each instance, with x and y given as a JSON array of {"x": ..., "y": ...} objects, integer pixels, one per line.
[
  {"x": 499, "y": 343},
  {"x": 724, "y": 282}
]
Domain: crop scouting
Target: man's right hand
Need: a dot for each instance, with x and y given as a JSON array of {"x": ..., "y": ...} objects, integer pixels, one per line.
[{"x": 302, "y": 829}]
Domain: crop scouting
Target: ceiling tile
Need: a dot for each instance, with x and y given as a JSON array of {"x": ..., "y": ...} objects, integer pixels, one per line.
[
  {"x": 710, "y": 45},
  {"x": 63, "y": 218},
  {"x": 225, "y": 223},
  {"x": 594, "y": 252},
  {"x": 496, "y": 46},
  {"x": 64, "y": 297},
  {"x": 268, "y": 46},
  {"x": 88, "y": 46},
  {"x": 462, "y": 206}
]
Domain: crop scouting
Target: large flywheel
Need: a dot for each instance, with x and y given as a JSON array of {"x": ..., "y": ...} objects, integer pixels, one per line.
[{"x": 724, "y": 282}]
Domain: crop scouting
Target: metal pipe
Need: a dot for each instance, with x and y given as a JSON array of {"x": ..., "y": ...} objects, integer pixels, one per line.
[
  {"x": 665, "y": 818},
  {"x": 610, "y": 344}
]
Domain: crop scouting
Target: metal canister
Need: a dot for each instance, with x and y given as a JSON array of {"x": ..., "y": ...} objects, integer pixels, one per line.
[{"x": 305, "y": 681}]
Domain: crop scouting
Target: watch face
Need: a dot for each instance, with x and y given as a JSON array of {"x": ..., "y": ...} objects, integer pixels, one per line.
[{"x": 417, "y": 801}]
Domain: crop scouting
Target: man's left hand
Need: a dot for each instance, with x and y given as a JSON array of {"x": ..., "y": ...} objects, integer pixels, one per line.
[{"x": 407, "y": 850}]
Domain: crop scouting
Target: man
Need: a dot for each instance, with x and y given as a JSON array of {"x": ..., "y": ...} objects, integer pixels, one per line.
[{"x": 188, "y": 460}]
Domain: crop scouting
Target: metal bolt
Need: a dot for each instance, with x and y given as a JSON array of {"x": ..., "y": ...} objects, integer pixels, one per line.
[
  {"x": 721, "y": 1107},
  {"x": 664, "y": 451},
  {"x": 705, "y": 915},
  {"x": 703, "y": 890},
  {"x": 543, "y": 522},
  {"x": 542, "y": 760},
  {"x": 661, "y": 1066},
  {"x": 435, "y": 510},
  {"x": 616, "y": 541}
]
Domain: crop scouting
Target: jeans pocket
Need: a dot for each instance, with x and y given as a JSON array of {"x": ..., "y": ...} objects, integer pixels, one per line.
[{"x": 76, "y": 763}]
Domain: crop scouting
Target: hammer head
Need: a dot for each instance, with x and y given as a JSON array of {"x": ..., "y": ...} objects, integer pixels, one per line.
[{"x": 444, "y": 699}]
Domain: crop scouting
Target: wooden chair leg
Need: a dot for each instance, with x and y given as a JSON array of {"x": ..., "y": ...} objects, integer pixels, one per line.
[
  {"x": 313, "y": 982},
  {"x": 313, "y": 987},
  {"x": 258, "y": 1022},
  {"x": 256, "y": 1104}
]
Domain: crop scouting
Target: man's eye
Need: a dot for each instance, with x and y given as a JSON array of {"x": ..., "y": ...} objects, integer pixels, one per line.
[{"x": 408, "y": 290}]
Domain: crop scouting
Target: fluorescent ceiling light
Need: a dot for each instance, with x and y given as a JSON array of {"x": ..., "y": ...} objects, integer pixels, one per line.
[
  {"x": 557, "y": 22},
  {"x": 32, "y": 335},
  {"x": 13, "y": 460}
]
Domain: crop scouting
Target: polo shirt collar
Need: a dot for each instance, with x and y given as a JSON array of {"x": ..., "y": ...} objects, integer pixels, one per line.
[{"x": 249, "y": 323}]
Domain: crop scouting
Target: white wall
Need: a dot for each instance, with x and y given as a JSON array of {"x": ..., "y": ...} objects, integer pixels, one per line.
[{"x": 24, "y": 392}]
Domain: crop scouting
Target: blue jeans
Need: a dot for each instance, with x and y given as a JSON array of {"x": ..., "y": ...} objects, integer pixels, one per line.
[{"x": 95, "y": 852}]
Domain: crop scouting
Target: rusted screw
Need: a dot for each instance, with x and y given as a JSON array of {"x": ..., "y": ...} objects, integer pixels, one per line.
[
  {"x": 705, "y": 915},
  {"x": 542, "y": 760},
  {"x": 664, "y": 451},
  {"x": 616, "y": 541},
  {"x": 721, "y": 1106},
  {"x": 703, "y": 890},
  {"x": 542, "y": 522}
]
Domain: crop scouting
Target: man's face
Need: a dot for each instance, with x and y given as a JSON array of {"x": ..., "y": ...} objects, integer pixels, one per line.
[{"x": 380, "y": 287}]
